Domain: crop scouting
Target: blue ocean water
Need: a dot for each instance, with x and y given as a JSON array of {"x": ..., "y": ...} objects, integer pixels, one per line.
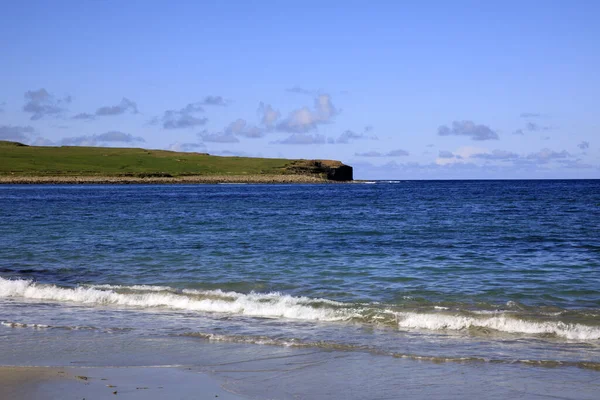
[{"x": 448, "y": 271}]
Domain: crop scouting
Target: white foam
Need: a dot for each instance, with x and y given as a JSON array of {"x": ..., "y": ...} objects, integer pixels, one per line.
[
  {"x": 23, "y": 325},
  {"x": 277, "y": 305},
  {"x": 270, "y": 305},
  {"x": 213, "y": 293},
  {"x": 501, "y": 323},
  {"x": 262, "y": 297},
  {"x": 143, "y": 288}
]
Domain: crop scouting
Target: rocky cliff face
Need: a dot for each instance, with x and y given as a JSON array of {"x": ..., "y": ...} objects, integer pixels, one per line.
[{"x": 332, "y": 170}]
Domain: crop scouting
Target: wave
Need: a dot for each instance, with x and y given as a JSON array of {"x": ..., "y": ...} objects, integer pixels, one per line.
[
  {"x": 283, "y": 306},
  {"x": 12, "y": 324},
  {"x": 507, "y": 323},
  {"x": 271, "y": 341},
  {"x": 144, "y": 288},
  {"x": 271, "y": 305},
  {"x": 327, "y": 345}
]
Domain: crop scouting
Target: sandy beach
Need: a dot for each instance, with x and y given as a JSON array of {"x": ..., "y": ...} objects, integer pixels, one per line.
[{"x": 48, "y": 383}]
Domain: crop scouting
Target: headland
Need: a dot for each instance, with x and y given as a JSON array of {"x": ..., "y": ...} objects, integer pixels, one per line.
[{"x": 23, "y": 164}]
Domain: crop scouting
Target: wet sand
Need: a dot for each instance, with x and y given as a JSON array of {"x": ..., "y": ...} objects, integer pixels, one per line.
[
  {"x": 50, "y": 383},
  {"x": 233, "y": 371}
]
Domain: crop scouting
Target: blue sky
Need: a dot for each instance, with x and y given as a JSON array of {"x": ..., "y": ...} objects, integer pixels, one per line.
[{"x": 397, "y": 89}]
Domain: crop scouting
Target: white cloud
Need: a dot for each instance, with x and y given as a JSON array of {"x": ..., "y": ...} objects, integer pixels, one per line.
[
  {"x": 302, "y": 139},
  {"x": 459, "y": 155},
  {"x": 470, "y": 129},
  {"x": 304, "y": 119}
]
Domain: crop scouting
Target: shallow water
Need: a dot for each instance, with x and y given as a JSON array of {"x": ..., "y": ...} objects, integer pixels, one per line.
[{"x": 493, "y": 272}]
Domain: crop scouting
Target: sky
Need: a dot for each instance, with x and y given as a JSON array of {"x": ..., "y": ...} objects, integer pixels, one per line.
[{"x": 397, "y": 89}]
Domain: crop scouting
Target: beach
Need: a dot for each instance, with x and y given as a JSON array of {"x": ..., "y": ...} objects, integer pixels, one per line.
[
  {"x": 294, "y": 374},
  {"x": 29, "y": 383}
]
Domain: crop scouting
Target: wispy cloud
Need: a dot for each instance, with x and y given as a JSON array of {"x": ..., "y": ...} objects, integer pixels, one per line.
[
  {"x": 214, "y": 101},
  {"x": 40, "y": 141},
  {"x": 584, "y": 145},
  {"x": 107, "y": 137},
  {"x": 15, "y": 133},
  {"x": 392, "y": 153},
  {"x": 84, "y": 116},
  {"x": 533, "y": 127},
  {"x": 219, "y": 137},
  {"x": 268, "y": 115},
  {"x": 446, "y": 154},
  {"x": 117, "y": 136},
  {"x": 576, "y": 164},
  {"x": 499, "y": 155},
  {"x": 546, "y": 155},
  {"x": 182, "y": 118},
  {"x": 299, "y": 90},
  {"x": 124, "y": 106},
  {"x": 531, "y": 115},
  {"x": 541, "y": 157},
  {"x": 302, "y": 139},
  {"x": 305, "y": 119},
  {"x": 40, "y": 103},
  {"x": 349, "y": 135},
  {"x": 232, "y": 153},
  {"x": 470, "y": 129},
  {"x": 186, "y": 147},
  {"x": 240, "y": 127}
]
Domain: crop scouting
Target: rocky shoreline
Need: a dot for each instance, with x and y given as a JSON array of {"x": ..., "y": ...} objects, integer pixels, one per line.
[{"x": 196, "y": 179}]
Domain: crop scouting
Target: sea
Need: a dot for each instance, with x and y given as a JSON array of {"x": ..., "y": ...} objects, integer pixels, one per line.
[{"x": 372, "y": 290}]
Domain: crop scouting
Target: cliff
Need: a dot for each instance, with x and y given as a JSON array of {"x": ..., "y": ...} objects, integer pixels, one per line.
[{"x": 330, "y": 169}]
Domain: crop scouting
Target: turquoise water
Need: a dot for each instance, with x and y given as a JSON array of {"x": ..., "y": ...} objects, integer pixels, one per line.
[{"x": 500, "y": 272}]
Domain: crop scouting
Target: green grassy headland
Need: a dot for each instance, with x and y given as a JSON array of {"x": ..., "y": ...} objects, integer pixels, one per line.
[{"x": 22, "y": 161}]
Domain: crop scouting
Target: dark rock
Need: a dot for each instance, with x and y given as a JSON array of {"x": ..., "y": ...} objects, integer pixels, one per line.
[
  {"x": 329, "y": 169},
  {"x": 341, "y": 173}
]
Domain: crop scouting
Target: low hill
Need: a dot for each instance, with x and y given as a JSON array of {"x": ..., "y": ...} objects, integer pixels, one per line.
[{"x": 20, "y": 163}]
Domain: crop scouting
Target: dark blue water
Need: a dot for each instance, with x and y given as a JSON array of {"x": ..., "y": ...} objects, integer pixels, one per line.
[{"x": 504, "y": 271}]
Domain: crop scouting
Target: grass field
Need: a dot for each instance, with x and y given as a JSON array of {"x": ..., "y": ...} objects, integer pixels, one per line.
[{"x": 18, "y": 160}]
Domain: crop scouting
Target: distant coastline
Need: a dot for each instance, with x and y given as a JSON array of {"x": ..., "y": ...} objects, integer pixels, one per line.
[
  {"x": 133, "y": 180},
  {"x": 22, "y": 164}
]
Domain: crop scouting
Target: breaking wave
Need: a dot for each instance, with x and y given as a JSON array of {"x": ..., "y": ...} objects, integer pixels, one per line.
[
  {"x": 271, "y": 305},
  {"x": 13, "y": 324},
  {"x": 507, "y": 323},
  {"x": 10, "y": 324},
  {"x": 282, "y": 306}
]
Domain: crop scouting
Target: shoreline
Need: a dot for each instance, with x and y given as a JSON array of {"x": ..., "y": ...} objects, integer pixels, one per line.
[
  {"x": 152, "y": 383},
  {"x": 192, "y": 179}
]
